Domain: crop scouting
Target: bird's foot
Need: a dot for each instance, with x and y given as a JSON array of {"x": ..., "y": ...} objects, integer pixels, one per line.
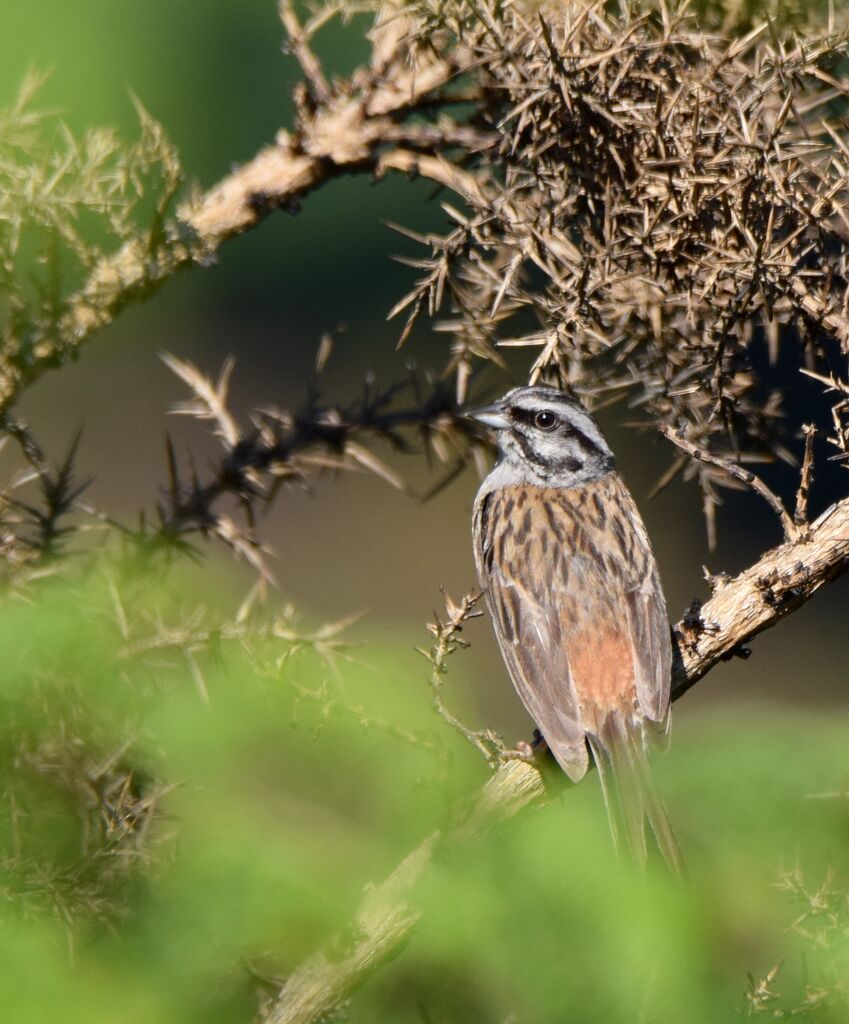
[{"x": 531, "y": 753}]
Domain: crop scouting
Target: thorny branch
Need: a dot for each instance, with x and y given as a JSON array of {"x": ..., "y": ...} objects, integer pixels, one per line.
[
  {"x": 642, "y": 204},
  {"x": 339, "y": 130},
  {"x": 33, "y": 532},
  {"x": 447, "y": 640},
  {"x": 263, "y": 639},
  {"x": 822, "y": 921},
  {"x": 789, "y": 524},
  {"x": 282, "y": 447},
  {"x": 660, "y": 206},
  {"x": 276, "y": 448}
]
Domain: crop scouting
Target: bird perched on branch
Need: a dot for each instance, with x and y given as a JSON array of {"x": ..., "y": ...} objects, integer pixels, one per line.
[{"x": 575, "y": 596}]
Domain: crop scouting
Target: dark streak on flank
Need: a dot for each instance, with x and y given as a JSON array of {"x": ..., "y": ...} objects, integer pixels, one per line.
[
  {"x": 513, "y": 607},
  {"x": 525, "y": 528},
  {"x": 621, "y": 538},
  {"x": 483, "y": 529},
  {"x": 503, "y": 539}
]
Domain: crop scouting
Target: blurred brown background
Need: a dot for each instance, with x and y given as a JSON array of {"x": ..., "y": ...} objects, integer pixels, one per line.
[{"x": 213, "y": 74}]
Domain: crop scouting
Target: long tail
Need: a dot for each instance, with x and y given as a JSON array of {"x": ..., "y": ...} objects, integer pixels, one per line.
[{"x": 629, "y": 791}]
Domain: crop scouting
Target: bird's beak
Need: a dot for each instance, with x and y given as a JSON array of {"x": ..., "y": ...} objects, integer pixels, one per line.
[{"x": 491, "y": 416}]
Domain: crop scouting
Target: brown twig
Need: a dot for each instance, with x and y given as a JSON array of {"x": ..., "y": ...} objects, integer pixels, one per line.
[
  {"x": 446, "y": 641},
  {"x": 790, "y": 528},
  {"x": 437, "y": 169},
  {"x": 806, "y": 476},
  {"x": 300, "y": 47}
]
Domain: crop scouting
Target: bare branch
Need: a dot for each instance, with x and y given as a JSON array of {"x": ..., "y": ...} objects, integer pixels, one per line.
[
  {"x": 790, "y": 527},
  {"x": 345, "y": 133},
  {"x": 806, "y": 476},
  {"x": 300, "y": 47},
  {"x": 778, "y": 583},
  {"x": 446, "y": 641}
]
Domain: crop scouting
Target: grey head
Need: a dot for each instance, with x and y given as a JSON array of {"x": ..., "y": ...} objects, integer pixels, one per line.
[{"x": 546, "y": 438}]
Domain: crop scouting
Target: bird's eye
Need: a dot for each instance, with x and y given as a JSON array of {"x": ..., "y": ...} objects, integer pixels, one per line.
[{"x": 545, "y": 420}]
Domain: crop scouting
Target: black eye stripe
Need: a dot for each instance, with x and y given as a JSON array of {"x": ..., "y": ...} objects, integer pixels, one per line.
[
  {"x": 521, "y": 415},
  {"x": 529, "y": 416},
  {"x": 526, "y": 417}
]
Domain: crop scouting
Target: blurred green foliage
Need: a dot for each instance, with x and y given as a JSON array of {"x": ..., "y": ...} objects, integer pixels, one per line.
[{"x": 162, "y": 841}]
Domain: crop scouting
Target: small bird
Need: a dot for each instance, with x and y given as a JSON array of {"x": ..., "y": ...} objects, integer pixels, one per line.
[{"x": 574, "y": 592}]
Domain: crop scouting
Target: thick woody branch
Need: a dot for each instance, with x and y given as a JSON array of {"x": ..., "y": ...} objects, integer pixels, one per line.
[
  {"x": 339, "y": 133},
  {"x": 778, "y": 583}
]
